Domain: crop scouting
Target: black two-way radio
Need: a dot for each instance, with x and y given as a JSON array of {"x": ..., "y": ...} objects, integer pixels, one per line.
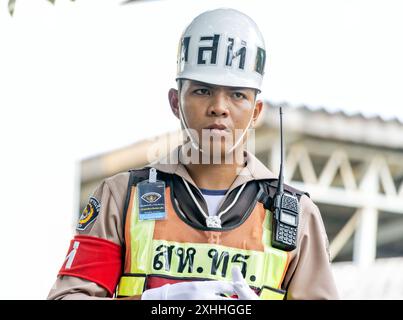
[{"x": 285, "y": 209}]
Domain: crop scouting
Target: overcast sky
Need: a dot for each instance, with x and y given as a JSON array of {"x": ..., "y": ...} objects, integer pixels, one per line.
[{"x": 80, "y": 78}]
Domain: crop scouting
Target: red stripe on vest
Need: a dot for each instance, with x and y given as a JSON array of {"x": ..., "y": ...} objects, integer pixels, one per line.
[
  {"x": 94, "y": 259},
  {"x": 155, "y": 281}
]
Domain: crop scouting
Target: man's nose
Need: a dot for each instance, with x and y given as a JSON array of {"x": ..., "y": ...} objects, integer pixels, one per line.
[{"x": 218, "y": 105}]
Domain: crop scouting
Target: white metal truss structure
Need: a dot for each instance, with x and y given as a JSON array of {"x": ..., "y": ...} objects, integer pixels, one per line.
[{"x": 342, "y": 160}]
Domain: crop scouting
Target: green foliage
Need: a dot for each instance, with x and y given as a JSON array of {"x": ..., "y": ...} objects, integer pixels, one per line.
[{"x": 11, "y": 5}]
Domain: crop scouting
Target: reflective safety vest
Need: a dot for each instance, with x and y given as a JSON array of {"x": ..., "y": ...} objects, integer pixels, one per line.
[{"x": 171, "y": 250}]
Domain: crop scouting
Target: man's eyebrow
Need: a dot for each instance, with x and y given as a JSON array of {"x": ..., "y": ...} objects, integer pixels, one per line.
[{"x": 198, "y": 83}]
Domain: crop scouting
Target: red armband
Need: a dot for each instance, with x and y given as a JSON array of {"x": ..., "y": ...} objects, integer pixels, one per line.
[{"x": 94, "y": 259}]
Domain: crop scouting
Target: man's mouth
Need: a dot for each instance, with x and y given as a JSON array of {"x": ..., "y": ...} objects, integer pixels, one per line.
[{"x": 217, "y": 129}]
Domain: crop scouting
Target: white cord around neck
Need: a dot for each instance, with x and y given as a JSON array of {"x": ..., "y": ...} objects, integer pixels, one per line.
[{"x": 206, "y": 216}]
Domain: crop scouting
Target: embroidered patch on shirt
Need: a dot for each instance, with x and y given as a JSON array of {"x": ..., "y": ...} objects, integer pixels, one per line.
[{"x": 89, "y": 214}]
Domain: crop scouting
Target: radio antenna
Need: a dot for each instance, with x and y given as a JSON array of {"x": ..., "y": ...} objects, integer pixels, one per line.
[{"x": 280, "y": 187}]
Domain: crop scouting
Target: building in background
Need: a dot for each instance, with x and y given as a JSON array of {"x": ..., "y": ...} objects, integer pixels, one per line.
[{"x": 351, "y": 165}]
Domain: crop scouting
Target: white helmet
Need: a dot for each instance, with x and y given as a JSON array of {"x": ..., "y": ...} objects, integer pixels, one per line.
[{"x": 222, "y": 47}]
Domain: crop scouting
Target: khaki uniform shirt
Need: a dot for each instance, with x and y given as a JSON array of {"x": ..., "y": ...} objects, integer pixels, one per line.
[{"x": 309, "y": 274}]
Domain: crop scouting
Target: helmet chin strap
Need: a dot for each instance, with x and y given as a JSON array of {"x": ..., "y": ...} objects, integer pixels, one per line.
[
  {"x": 184, "y": 124},
  {"x": 242, "y": 135}
]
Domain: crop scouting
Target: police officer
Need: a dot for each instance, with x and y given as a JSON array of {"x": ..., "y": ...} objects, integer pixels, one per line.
[{"x": 198, "y": 224}]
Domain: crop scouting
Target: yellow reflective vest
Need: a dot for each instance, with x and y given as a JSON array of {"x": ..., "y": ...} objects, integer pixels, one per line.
[{"x": 171, "y": 250}]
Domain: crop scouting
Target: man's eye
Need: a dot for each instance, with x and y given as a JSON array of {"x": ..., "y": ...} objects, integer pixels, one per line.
[
  {"x": 202, "y": 91},
  {"x": 239, "y": 95}
]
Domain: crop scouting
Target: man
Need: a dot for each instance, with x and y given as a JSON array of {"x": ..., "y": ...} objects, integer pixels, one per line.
[{"x": 199, "y": 224}]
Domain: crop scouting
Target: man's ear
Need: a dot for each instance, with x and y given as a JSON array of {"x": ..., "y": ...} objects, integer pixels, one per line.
[
  {"x": 257, "y": 110},
  {"x": 173, "y": 98}
]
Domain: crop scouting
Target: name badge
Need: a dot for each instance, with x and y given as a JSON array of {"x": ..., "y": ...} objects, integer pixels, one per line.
[{"x": 151, "y": 198}]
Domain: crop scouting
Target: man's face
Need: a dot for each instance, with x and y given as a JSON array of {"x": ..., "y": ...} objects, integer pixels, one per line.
[{"x": 217, "y": 114}]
